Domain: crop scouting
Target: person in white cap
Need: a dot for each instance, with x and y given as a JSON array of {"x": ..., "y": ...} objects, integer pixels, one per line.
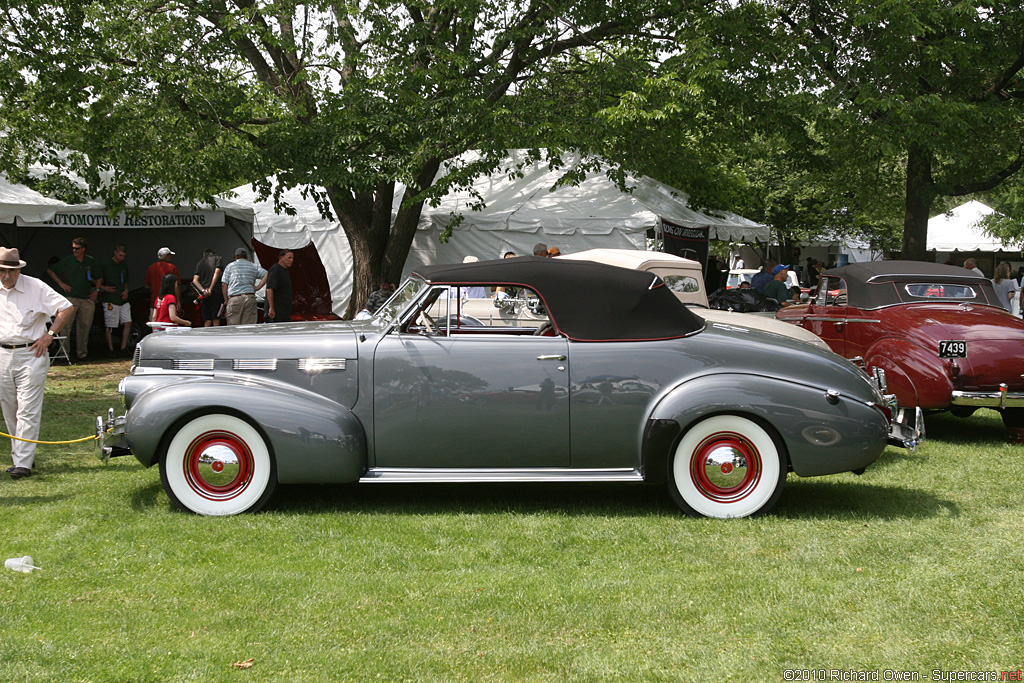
[
  {"x": 26, "y": 304},
  {"x": 155, "y": 275}
]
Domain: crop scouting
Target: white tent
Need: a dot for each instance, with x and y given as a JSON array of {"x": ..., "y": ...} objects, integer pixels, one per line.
[
  {"x": 958, "y": 230},
  {"x": 41, "y": 227},
  {"x": 521, "y": 210},
  {"x": 18, "y": 201}
]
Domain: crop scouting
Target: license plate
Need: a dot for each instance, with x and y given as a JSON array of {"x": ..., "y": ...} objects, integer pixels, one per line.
[{"x": 953, "y": 348}]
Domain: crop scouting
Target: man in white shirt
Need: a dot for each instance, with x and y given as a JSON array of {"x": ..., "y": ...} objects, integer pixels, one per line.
[{"x": 26, "y": 305}]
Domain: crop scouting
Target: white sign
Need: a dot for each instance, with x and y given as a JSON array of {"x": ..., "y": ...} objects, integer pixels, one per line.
[{"x": 98, "y": 218}]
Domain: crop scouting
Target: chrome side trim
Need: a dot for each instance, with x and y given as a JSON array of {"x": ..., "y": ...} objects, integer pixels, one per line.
[
  {"x": 988, "y": 399},
  {"x": 193, "y": 364},
  {"x": 143, "y": 370},
  {"x": 436, "y": 475},
  {"x": 829, "y": 319},
  {"x": 254, "y": 364},
  {"x": 314, "y": 365}
]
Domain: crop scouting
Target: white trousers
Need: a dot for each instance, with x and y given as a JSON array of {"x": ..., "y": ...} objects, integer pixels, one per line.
[{"x": 22, "y": 380}]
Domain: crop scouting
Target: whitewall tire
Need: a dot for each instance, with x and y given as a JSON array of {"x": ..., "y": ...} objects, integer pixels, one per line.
[
  {"x": 727, "y": 466},
  {"x": 218, "y": 465}
]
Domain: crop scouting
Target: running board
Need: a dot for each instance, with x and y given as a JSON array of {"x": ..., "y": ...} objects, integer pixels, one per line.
[{"x": 440, "y": 475}]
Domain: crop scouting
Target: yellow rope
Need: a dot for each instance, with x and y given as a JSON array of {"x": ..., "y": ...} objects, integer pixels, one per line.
[{"x": 18, "y": 438}]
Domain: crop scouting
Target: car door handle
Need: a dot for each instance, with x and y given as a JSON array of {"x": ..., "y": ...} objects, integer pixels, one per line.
[
  {"x": 838, "y": 326},
  {"x": 550, "y": 357}
]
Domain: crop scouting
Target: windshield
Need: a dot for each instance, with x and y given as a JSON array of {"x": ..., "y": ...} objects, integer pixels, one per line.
[{"x": 387, "y": 313}]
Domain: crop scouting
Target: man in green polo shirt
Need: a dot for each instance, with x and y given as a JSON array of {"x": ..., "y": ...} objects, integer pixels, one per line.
[
  {"x": 75, "y": 275},
  {"x": 113, "y": 287}
]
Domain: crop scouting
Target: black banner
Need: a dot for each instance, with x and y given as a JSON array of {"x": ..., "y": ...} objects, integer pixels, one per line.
[{"x": 691, "y": 243}]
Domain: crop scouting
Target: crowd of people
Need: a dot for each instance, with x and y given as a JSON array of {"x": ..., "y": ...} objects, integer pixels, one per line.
[{"x": 223, "y": 295}]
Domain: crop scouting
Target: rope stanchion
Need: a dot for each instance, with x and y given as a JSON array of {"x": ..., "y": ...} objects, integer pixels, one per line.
[{"x": 50, "y": 443}]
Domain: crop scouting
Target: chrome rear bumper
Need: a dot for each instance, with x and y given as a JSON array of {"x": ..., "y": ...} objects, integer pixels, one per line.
[
  {"x": 902, "y": 432},
  {"x": 989, "y": 399}
]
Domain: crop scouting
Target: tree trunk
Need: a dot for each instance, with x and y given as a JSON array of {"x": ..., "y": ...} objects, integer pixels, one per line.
[
  {"x": 379, "y": 248},
  {"x": 920, "y": 193}
]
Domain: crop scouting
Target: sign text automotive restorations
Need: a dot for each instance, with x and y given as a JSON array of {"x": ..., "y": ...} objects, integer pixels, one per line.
[{"x": 98, "y": 218}]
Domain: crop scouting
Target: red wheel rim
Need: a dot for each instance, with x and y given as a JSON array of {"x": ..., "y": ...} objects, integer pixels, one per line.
[
  {"x": 725, "y": 467},
  {"x": 218, "y": 465}
]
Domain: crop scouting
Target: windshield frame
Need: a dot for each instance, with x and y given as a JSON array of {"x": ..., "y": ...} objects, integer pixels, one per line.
[{"x": 392, "y": 310}]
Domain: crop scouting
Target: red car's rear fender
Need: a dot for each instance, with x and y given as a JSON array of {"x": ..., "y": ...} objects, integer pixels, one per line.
[{"x": 916, "y": 375}]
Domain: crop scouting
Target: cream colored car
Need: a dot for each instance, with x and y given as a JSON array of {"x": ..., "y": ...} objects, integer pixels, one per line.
[{"x": 686, "y": 279}]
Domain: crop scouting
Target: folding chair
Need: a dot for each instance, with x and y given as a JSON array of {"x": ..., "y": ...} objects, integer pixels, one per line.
[{"x": 61, "y": 350}]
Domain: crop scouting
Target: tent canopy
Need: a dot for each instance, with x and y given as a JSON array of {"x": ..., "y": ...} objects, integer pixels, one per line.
[
  {"x": 958, "y": 230},
  {"x": 521, "y": 210},
  {"x": 18, "y": 201},
  {"x": 42, "y": 228}
]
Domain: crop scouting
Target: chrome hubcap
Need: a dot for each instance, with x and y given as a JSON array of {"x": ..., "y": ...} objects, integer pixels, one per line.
[
  {"x": 725, "y": 467},
  {"x": 218, "y": 465}
]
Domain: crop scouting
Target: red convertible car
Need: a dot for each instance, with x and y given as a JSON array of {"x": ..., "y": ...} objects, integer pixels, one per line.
[{"x": 936, "y": 332}]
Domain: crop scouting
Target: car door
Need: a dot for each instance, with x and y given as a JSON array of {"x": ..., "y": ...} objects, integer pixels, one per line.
[
  {"x": 478, "y": 397},
  {"x": 827, "y": 314}
]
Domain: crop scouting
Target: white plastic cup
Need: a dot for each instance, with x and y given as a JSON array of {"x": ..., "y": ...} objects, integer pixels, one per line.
[{"x": 20, "y": 564}]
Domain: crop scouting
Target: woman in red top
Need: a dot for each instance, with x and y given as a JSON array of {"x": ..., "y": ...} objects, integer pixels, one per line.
[{"x": 167, "y": 304}]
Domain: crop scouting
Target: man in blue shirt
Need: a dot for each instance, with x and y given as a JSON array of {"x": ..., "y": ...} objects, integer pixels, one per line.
[
  {"x": 764, "y": 276},
  {"x": 239, "y": 283}
]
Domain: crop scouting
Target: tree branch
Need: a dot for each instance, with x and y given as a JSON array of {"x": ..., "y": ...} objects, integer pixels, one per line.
[{"x": 993, "y": 180}]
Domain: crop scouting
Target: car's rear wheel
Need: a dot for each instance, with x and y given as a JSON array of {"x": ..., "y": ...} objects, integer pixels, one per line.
[
  {"x": 727, "y": 466},
  {"x": 218, "y": 465}
]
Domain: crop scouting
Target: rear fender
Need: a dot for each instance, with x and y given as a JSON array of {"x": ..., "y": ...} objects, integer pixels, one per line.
[
  {"x": 819, "y": 437},
  {"x": 314, "y": 440},
  {"x": 916, "y": 375}
]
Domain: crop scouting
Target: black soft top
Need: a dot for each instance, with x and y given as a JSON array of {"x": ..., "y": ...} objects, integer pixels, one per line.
[
  {"x": 586, "y": 301},
  {"x": 873, "y": 284}
]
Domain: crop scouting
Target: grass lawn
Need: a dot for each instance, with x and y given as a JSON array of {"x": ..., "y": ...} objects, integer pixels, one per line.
[{"x": 914, "y": 566}]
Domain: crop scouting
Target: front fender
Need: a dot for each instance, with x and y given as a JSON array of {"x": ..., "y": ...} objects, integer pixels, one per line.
[
  {"x": 818, "y": 436},
  {"x": 917, "y": 376},
  {"x": 314, "y": 440}
]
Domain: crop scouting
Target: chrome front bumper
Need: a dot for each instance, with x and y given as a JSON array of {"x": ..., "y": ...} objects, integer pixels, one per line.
[
  {"x": 989, "y": 399},
  {"x": 110, "y": 436}
]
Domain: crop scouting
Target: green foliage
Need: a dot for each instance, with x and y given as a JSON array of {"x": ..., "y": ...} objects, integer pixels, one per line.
[{"x": 186, "y": 97}]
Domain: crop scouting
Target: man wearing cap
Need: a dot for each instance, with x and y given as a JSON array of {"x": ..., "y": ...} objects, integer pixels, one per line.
[
  {"x": 778, "y": 289},
  {"x": 241, "y": 279},
  {"x": 764, "y": 276},
  {"x": 76, "y": 274},
  {"x": 155, "y": 275},
  {"x": 26, "y": 304}
]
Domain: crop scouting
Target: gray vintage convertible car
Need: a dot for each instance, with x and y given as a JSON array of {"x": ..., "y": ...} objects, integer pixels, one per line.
[{"x": 618, "y": 381}]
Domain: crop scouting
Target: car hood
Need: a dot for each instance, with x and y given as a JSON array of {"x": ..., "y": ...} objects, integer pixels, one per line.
[{"x": 280, "y": 340}]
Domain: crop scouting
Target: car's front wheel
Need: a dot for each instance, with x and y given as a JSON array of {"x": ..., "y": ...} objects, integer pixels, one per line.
[
  {"x": 727, "y": 466},
  {"x": 218, "y": 465}
]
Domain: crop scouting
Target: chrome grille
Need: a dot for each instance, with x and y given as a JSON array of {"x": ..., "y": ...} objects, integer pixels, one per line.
[
  {"x": 314, "y": 365},
  {"x": 194, "y": 364},
  {"x": 255, "y": 364}
]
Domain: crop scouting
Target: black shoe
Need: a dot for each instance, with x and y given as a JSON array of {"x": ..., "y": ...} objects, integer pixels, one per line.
[
  {"x": 20, "y": 472},
  {"x": 9, "y": 469}
]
